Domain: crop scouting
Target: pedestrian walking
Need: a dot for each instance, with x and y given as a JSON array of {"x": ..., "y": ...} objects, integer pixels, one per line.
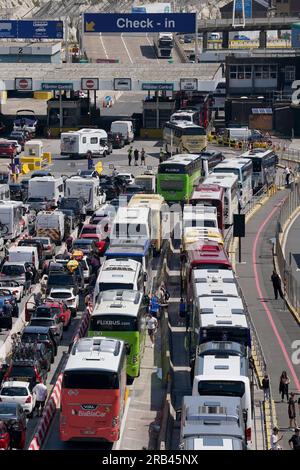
[
  {"x": 284, "y": 385},
  {"x": 287, "y": 173},
  {"x": 130, "y": 150},
  {"x": 294, "y": 441},
  {"x": 292, "y": 411},
  {"x": 182, "y": 311},
  {"x": 152, "y": 324},
  {"x": 266, "y": 387},
  {"x": 143, "y": 157},
  {"x": 41, "y": 393},
  {"x": 154, "y": 306},
  {"x": 69, "y": 243},
  {"x": 276, "y": 281},
  {"x": 89, "y": 157},
  {"x": 275, "y": 439},
  {"x": 17, "y": 172},
  {"x": 136, "y": 157}
]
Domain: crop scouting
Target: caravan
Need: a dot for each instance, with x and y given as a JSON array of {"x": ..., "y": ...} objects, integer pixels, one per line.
[
  {"x": 86, "y": 188},
  {"x": 49, "y": 187},
  {"x": 79, "y": 143},
  {"x": 11, "y": 219}
]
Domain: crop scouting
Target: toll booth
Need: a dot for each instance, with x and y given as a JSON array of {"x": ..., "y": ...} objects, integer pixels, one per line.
[
  {"x": 157, "y": 110},
  {"x": 76, "y": 113}
]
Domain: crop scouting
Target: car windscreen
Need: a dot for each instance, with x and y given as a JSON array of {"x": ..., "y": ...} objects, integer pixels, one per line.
[
  {"x": 90, "y": 380},
  {"x": 14, "y": 391},
  {"x": 33, "y": 337},
  {"x": 41, "y": 322},
  {"x": 61, "y": 295},
  {"x": 13, "y": 270},
  {"x": 35, "y": 199},
  {"x": 46, "y": 312},
  {"x": 113, "y": 323},
  {"x": 227, "y": 388}
]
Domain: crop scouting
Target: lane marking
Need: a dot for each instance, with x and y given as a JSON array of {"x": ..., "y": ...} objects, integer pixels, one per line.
[
  {"x": 266, "y": 308},
  {"x": 102, "y": 42},
  {"x": 124, "y": 43}
]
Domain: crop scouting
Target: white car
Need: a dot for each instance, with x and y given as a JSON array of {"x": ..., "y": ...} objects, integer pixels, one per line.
[
  {"x": 14, "y": 287},
  {"x": 18, "y": 392},
  {"x": 128, "y": 176},
  {"x": 65, "y": 294}
]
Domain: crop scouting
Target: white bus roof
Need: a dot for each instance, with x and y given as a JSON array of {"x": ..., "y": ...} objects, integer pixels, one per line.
[
  {"x": 226, "y": 180},
  {"x": 221, "y": 311},
  {"x": 182, "y": 158},
  {"x": 96, "y": 353},
  {"x": 116, "y": 270},
  {"x": 119, "y": 302},
  {"x": 129, "y": 214},
  {"x": 218, "y": 282},
  {"x": 232, "y": 163},
  {"x": 212, "y": 367},
  {"x": 209, "y": 192},
  {"x": 154, "y": 201},
  {"x": 213, "y": 443},
  {"x": 184, "y": 124}
]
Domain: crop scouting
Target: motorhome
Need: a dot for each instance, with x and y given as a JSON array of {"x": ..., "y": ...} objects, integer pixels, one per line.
[
  {"x": 49, "y": 187},
  {"x": 79, "y": 143},
  {"x": 51, "y": 224},
  {"x": 86, "y": 188},
  {"x": 11, "y": 219}
]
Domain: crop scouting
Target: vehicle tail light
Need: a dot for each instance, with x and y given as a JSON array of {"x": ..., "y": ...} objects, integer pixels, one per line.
[
  {"x": 15, "y": 292},
  {"x": 115, "y": 421},
  {"x": 248, "y": 434},
  {"x": 28, "y": 399}
]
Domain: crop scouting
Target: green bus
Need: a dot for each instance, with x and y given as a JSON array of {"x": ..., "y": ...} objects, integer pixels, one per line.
[
  {"x": 121, "y": 314},
  {"x": 177, "y": 176}
]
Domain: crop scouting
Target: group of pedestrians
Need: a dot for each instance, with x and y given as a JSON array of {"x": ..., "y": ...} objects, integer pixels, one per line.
[
  {"x": 156, "y": 302},
  {"x": 136, "y": 154}
]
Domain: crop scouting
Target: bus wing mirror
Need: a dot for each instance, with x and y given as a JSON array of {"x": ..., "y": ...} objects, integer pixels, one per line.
[{"x": 127, "y": 349}]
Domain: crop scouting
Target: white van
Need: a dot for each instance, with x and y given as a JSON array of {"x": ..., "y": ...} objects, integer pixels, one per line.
[
  {"x": 226, "y": 376},
  {"x": 11, "y": 219},
  {"x": 86, "y": 188},
  {"x": 125, "y": 128},
  {"x": 49, "y": 187},
  {"x": 123, "y": 274},
  {"x": 24, "y": 254},
  {"x": 78, "y": 143},
  {"x": 50, "y": 224}
]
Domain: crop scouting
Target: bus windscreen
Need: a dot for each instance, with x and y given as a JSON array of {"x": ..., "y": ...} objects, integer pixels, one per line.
[
  {"x": 225, "y": 388},
  {"x": 172, "y": 185}
]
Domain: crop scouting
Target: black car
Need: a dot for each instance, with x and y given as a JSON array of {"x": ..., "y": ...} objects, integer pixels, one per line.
[
  {"x": 27, "y": 370},
  {"x": 63, "y": 279},
  {"x": 40, "y": 173},
  {"x": 40, "y": 334},
  {"x": 16, "y": 191},
  {"x": 15, "y": 418},
  {"x": 87, "y": 246},
  {"x": 54, "y": 323},
  {"x": 117, "y": 140},
  {"x": 20, "y": 136}
]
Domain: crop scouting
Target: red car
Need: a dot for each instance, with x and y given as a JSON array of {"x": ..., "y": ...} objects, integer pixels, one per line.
[
  {"x": 7, "y": 149},
  {"x": 61, "y": 310},
  {"x": 5, "y": 443},
  {"x": 101, "y": 244}
]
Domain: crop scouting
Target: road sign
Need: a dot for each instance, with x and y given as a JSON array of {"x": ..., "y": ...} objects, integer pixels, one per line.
[
  {"x": 31, "y": 29},
  {"x": 122, "y": 84},
  {"x": 139, "y": 22},
  {"x": 188, "y": 84},
  {"x": 56, "y": 86},
  {"x": 90, "y": 83},
  {"x": 158, "y": 86},
  {"x": 23, "y": 84},
  {"x": 8, "y": 29}
]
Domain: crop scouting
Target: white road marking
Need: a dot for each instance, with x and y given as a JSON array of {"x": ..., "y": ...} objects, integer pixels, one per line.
[
  {"x": 124, "y": 43},
  {"x": 102, "y": 42},
  {"x": 118, "y": 443}
]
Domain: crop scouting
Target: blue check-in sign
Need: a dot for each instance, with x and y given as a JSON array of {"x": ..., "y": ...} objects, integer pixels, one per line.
[{"x": 139, "y": 22}]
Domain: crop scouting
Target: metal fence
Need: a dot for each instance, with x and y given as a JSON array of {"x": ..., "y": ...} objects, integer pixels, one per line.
[{"x": 291, "y": 286}]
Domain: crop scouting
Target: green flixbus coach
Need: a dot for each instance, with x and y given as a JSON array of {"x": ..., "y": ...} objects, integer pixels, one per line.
[
  {"x": 178, "y": 175},
  {"x": 121, "y": 314}
]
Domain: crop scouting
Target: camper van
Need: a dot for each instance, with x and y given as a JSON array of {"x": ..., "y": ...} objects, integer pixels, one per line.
[
  {"x": 86, "y": 188},
  {"x": 11, "y": 219},
  {"x": 125, "y": 128},
  {"x": 48, "y": 187},
  {"x": 76, "y": 144},
  {"x": 24, "y": 254}
]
